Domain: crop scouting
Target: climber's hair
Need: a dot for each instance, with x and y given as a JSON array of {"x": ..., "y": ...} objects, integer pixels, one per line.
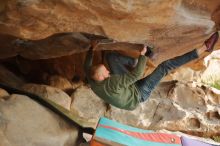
[{"x": 95, "y": 71}]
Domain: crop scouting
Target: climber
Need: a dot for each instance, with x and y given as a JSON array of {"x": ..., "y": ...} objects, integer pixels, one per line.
[{"x": 125, "y": 89}]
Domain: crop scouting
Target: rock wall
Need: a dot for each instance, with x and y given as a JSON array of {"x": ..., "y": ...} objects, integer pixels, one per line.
[
  {"x": 211, "y": 74},
  {"x": 187, "y": 107},
  {"x": 25, "y": 122},
  {"x": 39, "y": 39},
  {"x": 48, "y": 31},
  {"x": 175, "y": 26}
]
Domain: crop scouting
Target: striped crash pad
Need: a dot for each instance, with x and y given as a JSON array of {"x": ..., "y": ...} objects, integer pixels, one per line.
[{"x": 112, "y": 133}]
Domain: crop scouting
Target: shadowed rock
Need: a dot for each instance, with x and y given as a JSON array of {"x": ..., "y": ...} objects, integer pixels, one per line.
[
  {"x": 176, "y": 26},
  {"x": 57, "y": 45}
]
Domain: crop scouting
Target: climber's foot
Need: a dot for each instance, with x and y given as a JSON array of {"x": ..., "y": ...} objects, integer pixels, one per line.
[{"x": 211, "y": 41}]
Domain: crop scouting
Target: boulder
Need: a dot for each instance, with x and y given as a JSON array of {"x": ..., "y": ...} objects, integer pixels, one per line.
[
  {"x": 210, "y": 75},
  {"x": 9, "y": 78},
  {"x": 186, "y": 107},
  {"x": 87, "y": 104},
  {"x": 24, "y": 122},
  {"x": 175, "y": 26},
  {"x": 175, "y": 106},
  {"x": 3, "y": 93},
  {"x": 54, "y": 94},
  {"x": 60, "y": 83}
]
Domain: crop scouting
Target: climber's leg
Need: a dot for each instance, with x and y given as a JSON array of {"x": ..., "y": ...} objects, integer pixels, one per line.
[{"x": 147, "y": 84}]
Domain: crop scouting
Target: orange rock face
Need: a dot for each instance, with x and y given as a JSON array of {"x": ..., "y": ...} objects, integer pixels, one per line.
[
  {"x": 164, "y": 23},
  {"x": 175, "y": 26},
  {"x": 41, "y": 38}
]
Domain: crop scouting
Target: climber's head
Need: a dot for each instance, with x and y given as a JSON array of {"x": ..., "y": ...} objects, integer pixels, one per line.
[{"x": 99, "y": 72}]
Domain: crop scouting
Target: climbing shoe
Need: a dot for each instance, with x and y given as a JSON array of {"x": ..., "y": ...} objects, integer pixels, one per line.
[{"x": 211, "y": 41}]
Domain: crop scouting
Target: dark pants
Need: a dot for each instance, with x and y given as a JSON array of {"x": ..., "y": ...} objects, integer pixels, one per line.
[{"x": 117, "y": 63}]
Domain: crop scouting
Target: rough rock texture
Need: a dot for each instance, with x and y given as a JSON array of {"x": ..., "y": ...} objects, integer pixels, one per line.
[
  {"x": 37, "y": 19},
  {"x": 56, "y": 95},
  {"x": 43, "y": 39},
  {"x": 186, "y": 74},
  {"x": 3, "y": 93},
  {"x": 60, "y": 83},
  {"x": 67, "y": 66},
  {"x": 25, "y": 122},
  {"x": 9, "y": 78},
  {"x": 87, "y": 104},
  {"x": 43, "y": 30},
  {"x": 57, "y": 45},
  {"x": 212, "y": 71},
  {"x": 187, "y": 107},
  {"x": 175, "y": 26},
  {"x": 64, "y": 84}
]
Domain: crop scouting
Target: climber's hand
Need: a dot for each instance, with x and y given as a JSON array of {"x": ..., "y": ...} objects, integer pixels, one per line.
[{"x": 144, "y": 50}]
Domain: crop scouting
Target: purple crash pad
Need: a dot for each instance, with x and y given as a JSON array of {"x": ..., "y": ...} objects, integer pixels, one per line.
[{"x": 192, "y": 142}]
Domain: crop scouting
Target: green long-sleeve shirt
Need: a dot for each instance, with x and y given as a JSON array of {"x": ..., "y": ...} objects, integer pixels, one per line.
[{"x": 118, "y": 90}]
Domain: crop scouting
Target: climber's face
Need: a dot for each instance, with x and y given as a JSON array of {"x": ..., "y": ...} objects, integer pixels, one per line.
[
  {"x": 104, "y": 72},
  {"x": 101, "y": 73}
]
